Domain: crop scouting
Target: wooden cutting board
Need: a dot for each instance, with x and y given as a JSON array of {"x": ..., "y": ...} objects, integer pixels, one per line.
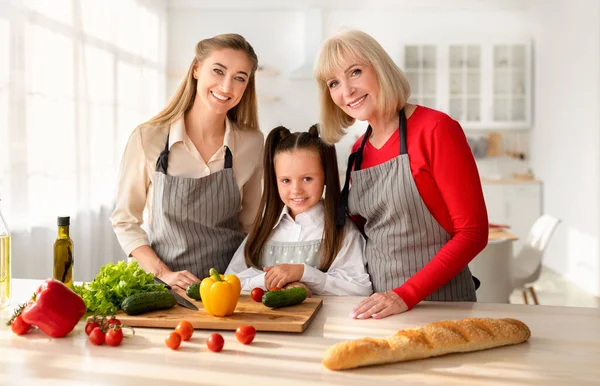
[{"x": 248, "y": 312}]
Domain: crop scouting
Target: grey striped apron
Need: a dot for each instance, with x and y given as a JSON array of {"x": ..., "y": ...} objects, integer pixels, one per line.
[
  {"x": 195, "y": 224},
  {"x": 300, "y": 252},
  {"x": 402, "y": 235}
]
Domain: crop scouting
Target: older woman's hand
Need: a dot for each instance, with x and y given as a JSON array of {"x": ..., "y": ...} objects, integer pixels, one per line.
[{"x": 379, "y": 305}]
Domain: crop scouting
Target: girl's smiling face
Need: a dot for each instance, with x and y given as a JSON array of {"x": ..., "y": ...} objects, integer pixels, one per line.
[{"x": 300, "y": 179}]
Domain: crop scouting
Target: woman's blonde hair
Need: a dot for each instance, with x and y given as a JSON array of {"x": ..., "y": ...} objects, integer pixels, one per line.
[
  {"x": 244, "y": 114},
  {"x": 357, "y": 46}
]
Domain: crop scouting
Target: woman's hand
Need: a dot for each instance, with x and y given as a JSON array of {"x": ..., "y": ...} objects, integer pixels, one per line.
[
  {"x": 282, "y": 274},
  {"x": 178, "y": 279},
  {"x": 379, "y": 305},
  {"x": 299, "y": 284}
]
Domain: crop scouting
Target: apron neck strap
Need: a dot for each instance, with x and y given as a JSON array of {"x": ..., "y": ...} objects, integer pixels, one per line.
[
  {"x": 162, "y": 163},
  {"x": 355, "y": 161},
  {"x": 343, "y": 203},
  {"x": 228, "y": 158},
  {"x": 403, "y": 148}
]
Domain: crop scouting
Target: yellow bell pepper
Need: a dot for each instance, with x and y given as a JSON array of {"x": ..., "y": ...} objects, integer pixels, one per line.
[{"x": 220, "y": 293}]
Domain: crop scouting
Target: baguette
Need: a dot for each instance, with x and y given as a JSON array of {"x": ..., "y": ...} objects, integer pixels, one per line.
[{"x": 435, "y": 339}]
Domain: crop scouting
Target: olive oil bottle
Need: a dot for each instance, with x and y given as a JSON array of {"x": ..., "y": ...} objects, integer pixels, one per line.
[
  {"x": 5, "y": 273},
  {"x": 63, "y": 253}
]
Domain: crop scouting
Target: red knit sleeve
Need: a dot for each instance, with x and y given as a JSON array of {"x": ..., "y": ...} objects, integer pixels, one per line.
[{"x": 455, "y": 172}]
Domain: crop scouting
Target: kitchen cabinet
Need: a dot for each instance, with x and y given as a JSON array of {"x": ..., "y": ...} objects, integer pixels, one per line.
[
  {"x": 421, "y": 71},
  {"x": 515, "y": 203},
  {"x": 483, "y": 85}
]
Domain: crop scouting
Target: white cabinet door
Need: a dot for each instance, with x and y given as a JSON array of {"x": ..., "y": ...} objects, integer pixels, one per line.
[
  {"x": 483, "y": 85},
  {"x": 421, "y": 66},
  {"x": 465, "y": 99},
  {"x": 511, "y": 88}
]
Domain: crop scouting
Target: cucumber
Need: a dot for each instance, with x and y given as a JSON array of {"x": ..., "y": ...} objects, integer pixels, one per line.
[
  {"x": 148, "y": 301},
  {"x": 193, "y": 291},
  {"x": 284, "y": 298}
]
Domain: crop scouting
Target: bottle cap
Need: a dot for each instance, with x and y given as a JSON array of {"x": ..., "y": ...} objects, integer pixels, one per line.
[{"x": 64, "y": 221}]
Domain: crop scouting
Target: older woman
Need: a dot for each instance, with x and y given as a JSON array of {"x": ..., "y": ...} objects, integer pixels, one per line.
[{"x": 415, "y": 186}]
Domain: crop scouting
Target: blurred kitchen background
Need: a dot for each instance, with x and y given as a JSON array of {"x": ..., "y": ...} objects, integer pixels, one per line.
[{"x": 521, "y": 76}]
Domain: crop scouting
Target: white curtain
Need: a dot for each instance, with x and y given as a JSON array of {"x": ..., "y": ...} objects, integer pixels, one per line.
[{"x": 76, "y": 77}]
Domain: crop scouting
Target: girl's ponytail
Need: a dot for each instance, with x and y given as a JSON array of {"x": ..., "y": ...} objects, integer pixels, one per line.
[{"x": 270, "y": 203}]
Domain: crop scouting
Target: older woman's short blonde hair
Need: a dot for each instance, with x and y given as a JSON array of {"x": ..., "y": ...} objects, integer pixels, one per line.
[{"x": 337, "y": 51}]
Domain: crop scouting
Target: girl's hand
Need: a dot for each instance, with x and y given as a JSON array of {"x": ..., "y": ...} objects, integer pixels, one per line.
[
  {"x": 282, "y": 274},
  {"x": 379, "y": 305},
  {"x": 178, "y": 279},
  {"x": 299, "y": 284}
]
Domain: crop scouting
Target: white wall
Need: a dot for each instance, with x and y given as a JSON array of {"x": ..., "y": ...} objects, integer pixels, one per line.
[
  {"x": 276, "y": 30},
  {"x": 566, "y": 137}
]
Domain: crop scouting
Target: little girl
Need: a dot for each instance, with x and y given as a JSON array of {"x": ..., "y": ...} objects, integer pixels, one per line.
[{"x": 294, "y": 240}]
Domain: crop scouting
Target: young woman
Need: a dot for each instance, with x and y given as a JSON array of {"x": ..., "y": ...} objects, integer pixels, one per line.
[
  {"x": 196, "y": 167},
  {"x": 294, "y": 241},
  {"x": 415, "y": 186}
]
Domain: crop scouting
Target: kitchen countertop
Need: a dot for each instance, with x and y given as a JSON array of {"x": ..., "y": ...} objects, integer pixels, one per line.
[
  {"x": 500, "y": 234},
  {"x": 564, "y": 349},
  {"x": 509, "y": 180}
]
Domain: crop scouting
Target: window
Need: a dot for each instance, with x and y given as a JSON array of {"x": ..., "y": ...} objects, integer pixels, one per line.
[{"x": 76, "y": 77}]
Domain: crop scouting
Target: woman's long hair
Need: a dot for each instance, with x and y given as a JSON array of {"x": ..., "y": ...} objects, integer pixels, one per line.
[
  {"x": 244, "y": 114},
  {"x": 280, "y": 140}
]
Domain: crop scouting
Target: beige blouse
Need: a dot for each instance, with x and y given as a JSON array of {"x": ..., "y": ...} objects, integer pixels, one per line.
[{"x": 138, "y": 168}]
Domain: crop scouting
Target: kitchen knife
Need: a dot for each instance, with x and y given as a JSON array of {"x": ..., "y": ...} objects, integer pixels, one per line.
[{"x": 180, "y": 299}]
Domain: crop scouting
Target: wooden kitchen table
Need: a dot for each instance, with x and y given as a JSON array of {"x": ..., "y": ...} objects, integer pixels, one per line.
[{"x": 564, "y": 349}]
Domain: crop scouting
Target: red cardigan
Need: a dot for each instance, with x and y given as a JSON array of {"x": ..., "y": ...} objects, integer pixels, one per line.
[{"x": 447, "y": 179}]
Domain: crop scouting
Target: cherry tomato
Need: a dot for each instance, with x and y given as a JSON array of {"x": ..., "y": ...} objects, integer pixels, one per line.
[
  {"x": 173, "y": 341},
  {"x": 215, "y": 342},
  {"x": 113, "y": 322},
  {"x": 185, "y": 330},
  {"x": 274, "y": 289},
  {"x": 97, "y": 336},
  {"x": 19, "y": 326},
  {"x": 89, "y": 327},
  {"x": 245, "y": 334},
  {"x": 257, "y": 294},
  {"x": 114, "y": 336}
]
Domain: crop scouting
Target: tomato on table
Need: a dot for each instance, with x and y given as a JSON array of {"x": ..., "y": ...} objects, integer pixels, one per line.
[
  {"x": 97, "y": 336},
  {"x": 173, "y": 341},
  {"x": 245, "y": 334},
  {"x": 89, "y": 327},
  {"x": 113, "y": 322},
  {"x": 19, "y": 326},
  {"x": 215, "y": 342},
  {"x": 185, "y": 330},
  {"x": 114, "y": 336}
]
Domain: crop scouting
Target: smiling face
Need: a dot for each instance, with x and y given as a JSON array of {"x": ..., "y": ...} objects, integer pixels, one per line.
[
  {"x": 300, "y": 179},
  {"x": 354, "y": 88},
  {"x": 222, "y": 79}
]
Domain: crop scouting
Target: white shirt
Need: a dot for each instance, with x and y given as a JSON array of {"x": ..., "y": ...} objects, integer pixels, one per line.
[{"x": 347, "y": 274}]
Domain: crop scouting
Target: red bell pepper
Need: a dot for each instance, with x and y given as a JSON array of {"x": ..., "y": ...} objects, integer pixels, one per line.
[{"x": 54, "y": 309}]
